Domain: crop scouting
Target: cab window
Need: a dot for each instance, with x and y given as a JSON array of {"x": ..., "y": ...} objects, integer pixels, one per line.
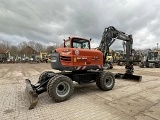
[
  {"x": 80, "y": 43},
  {"x": 67, "y": 44}
]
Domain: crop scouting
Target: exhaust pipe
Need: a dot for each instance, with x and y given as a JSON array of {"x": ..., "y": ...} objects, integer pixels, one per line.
[{"x": 31, "y": 94}]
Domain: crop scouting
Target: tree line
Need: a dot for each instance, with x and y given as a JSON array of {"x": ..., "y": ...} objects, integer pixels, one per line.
[{"x": 15, "y": 49}]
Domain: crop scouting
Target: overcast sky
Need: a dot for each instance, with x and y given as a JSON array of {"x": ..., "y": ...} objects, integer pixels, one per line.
[{"x": 51, "y": 21}]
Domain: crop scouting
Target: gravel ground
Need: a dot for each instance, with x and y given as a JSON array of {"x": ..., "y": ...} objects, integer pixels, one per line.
[{"x": 129, "y": 100}]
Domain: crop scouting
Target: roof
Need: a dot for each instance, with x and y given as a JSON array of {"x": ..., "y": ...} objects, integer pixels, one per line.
[
  {"x": 3, "y": 51},
  {"x": 29, "y": 50}
]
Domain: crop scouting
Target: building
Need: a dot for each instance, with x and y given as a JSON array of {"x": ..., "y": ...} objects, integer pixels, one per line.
[
  {"x": 28, "y": 52},
  {"x": 6, "y": 55}
]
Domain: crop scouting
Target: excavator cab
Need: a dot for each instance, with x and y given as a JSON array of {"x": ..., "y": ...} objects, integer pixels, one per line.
[
  {"x": 77, "y": 43},
  {"x": 76, "y": 55}
]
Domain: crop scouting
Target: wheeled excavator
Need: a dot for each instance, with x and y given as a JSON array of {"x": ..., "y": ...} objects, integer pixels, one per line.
[
  {"x": 150, "y": 60},
  {"x": 77, "y": 62}
]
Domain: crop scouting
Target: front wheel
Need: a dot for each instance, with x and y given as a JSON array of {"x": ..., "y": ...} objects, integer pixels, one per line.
[
  {"x": 106, "y": 81},
  {"x": 60, "y": 88},
  {"x": 45, "y": 76}
]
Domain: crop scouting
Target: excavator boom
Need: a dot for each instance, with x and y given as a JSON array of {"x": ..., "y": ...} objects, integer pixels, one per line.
[{"x": 111, "y": 34}]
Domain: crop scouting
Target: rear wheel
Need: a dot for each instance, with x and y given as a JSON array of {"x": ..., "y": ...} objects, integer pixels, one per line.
[
  {"x": 105, "y": 81},
  {"x": 141, "y": 65},
  {"x": 60, "y": 88}
]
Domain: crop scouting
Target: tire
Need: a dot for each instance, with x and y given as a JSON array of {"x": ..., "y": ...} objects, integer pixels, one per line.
[
  {"x": 141, "y": 65},
  {"x": 151, "y": 65},
  {"x": 154, "y": 66},
  {"x": 44, "y": 76},
  {"x": 60, "y": 88},
  {"x": 106, "y": 81},
  {"x": 120, "y": 63},
  {"x": 50, "y": 82},
  {"x": 111, "y": 66},
  {"x": 98, "y": 82}
]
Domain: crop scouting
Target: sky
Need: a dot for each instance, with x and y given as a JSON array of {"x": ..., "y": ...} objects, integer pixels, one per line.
[{"x": 50, "y": 21}]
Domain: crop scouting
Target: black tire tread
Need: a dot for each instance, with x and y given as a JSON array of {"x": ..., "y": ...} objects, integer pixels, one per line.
[
  {"x": 49, "y": 83},
  {"x": 43, "y": 74},
  {"x": 52, "y": 83},
  {"x": 100, "y": 81}
]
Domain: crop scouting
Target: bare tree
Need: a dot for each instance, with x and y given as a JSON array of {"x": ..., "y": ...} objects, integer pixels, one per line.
[
  {"x": 39, "y": 47},
  {"x": 22, "y": 45},
  {"x": 53, "y": 47},
  {"x": 5, "y": 45},
  {"x": 36, "y": 45},
  {"x": 14, "y": 49},
  {"x": 50, "y": 48}
]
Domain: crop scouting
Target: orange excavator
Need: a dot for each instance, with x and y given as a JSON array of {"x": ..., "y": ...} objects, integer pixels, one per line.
[{"x": 77, "y": 62}]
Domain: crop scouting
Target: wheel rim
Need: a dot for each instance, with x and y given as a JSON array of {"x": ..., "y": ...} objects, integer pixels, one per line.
[
  {"x": 62, "y": 89},
  {"x": 108, "y": 81}
]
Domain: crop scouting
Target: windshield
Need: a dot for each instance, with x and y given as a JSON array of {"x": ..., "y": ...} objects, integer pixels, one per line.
[
  {"x": 80, "y": 43},
  {"x": 152, "y": 55}
]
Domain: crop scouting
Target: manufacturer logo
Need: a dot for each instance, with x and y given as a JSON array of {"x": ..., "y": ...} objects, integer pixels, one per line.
[{"x": 77, "y": 52}]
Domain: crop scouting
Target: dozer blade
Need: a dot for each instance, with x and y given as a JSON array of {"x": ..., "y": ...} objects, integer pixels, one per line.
[
  {"x": 31, "y": 94},
  {"x": 128, "y": 76}
]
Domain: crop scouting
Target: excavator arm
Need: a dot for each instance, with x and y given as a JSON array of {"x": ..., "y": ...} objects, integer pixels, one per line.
[{"x": 111, "y": 34}]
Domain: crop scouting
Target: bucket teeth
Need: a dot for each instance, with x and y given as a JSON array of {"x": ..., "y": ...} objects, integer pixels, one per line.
[{"x": 31, "y": 95}]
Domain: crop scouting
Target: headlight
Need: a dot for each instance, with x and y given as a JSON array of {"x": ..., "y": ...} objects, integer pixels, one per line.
[{"x": 53, "y": 51}]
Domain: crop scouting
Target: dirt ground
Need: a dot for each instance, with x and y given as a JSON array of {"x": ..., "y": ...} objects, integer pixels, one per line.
[{"x": 129, "y": 100}]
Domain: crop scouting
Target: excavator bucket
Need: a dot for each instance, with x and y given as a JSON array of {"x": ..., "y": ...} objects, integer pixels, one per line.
[
  {"x": 128, "y": 77},
  {"x": 31, "y": 95}
]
